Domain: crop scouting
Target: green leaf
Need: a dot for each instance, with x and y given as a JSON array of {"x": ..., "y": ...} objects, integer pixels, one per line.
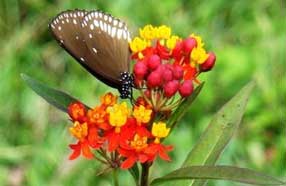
[
  {"x": 218, "y": 133},
  {"x": 134, "y": 171},
  {"x": 230, "y": 173},
  {"x": 57, "y": 98},
  {"x": 181, "y": 110}
]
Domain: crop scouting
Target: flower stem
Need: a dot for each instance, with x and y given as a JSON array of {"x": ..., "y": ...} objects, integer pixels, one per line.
[
  {"x": 115, "y": 177},
  {"x": 145, "y": 174}
]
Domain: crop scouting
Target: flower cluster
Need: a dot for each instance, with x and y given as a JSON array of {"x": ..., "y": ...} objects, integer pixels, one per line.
[
  {"x": 166, "y": 64},
  {"x": 116, "y": 135}
]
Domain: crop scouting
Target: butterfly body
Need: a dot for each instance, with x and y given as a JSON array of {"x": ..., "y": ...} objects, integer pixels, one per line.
[{"x": 99, "y": 42}]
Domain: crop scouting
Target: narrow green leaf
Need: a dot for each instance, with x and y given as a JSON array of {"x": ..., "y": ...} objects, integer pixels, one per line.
[
  {"x": 57, "y": 98},
  {"x": 134, "y": 171},
  {"x": 183, "y": 107},
  {"x": 218, "y": 134},
  {"x": 229, "y": 173}
]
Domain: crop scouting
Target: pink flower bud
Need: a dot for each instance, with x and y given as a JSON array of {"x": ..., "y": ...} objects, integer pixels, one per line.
[
  {"x": 209, "y": 63},
  {"x": 140, "y": 69},
  {"x": 153, "y": 62},
  {"x": 186, "y": 88},
  {"x": 154, "y": 79},
  {"x": 167, "y": 75},
  {"x": 189, "y": 44},
  {"x": 178, "y": 72},
  {"x": 170, "y": 88}
]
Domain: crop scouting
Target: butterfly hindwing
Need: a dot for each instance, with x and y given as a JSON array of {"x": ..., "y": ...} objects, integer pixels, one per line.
[{"x": 107, "y": 39}]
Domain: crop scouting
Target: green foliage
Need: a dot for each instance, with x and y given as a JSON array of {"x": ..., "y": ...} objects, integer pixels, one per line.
[
  {"x": 247, "y": 36},
  {"x": 230, "y": 173}
]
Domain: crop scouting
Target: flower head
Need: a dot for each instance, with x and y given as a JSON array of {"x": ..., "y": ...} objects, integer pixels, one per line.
[
  {"x": 159, "y": 130},
  {"x": 108, "y": 99},
  {"x": 118, "y": 115},
  {"x": 79, "y": 130},
  {"x": 138, "y": 44},
  {"x": 142, "y": 114},
  {"x": 148, "y": 32},
  {"x": 163, "y": 32},
  {"x": 198, "y": 55},
  {"x": 77, "y": 111}
]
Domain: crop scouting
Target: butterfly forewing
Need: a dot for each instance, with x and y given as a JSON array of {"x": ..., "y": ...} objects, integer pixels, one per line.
[{"x": 107, "y": 40}]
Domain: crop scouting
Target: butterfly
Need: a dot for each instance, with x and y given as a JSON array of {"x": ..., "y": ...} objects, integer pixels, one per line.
[{"x": 99, "y": 42}]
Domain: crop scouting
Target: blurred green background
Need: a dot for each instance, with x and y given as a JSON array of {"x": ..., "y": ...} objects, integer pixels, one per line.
[{"x": 248, "y": 38}]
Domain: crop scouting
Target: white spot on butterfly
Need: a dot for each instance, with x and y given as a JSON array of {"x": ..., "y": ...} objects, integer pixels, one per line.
[
  {"x": 67, "y": 20},
  {"x": 52, "y": 26},
  {"x": 59, "y": 28},
  {"x": 124, "y": 34},
  {"x": 120, "y": 24},
  {"x": 100, "y": 14},
  {"x": 115, "y": 21},
  {"x": 89, "y": 16},
  {"x": 109, "y": 29},
  {"x": 81, "y": 59},
  {"x": 113, "y": 31},
  {"x": 94, "y": 50},
  {"x": 104, "y": 27},
  {"x": 78, "y": 13},
  {"x": 91, "y": 26},
  {"x": 119, "y": 33},
  {"x": 76, "y": 37},
  {"x": 110, "y": 19},
  {"x": 128, "y": 37},
  {"x": 62, "y": 41},
  {"x": 63, "y": 22},
  {"x": 90, "y": 35},
  {"x": 96, "y": 23},
  {"x": 105, "y": 17},
  {"x": 75, "y": 15},
  {"x": 74, "y": 21},
  {"x": 96, "y": 14},
  {"x": 101, "y": 25}
]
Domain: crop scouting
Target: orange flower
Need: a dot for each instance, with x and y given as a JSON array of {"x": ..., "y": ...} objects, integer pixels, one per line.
[
  {"x": 99, "y": 117},
  {"x": 108, "y": 99},
  {"x": 135, "y": 151}
]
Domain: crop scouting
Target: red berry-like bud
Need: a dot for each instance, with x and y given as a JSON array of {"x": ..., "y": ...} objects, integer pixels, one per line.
[
  {"x": 167, "y": 75},
  {"x": 186, "y": 88},
  {"x": 170, "y": 88},
  {"x": 77, "y": 111},
  {"x": 178, "y": 72},
  {"x": 140, "y": 70},
  {"x": 177, "y": 51},
  {"x": 209, "y": 63},
  {"x": 154, "y": 79},
  {"x": 147, "y": 93},
  {"x": 153, "y": 62},
  {"x": 189, "y": 44}
]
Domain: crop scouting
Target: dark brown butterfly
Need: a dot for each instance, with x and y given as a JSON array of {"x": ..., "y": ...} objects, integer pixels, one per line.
[{"x": 99, "y": 42}]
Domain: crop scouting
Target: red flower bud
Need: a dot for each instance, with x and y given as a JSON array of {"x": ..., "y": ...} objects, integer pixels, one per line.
[
  {"x": 177, "y": 51},
  {"x": 153, "y": 62},
  {"x": 189, "y": 44},
  {"x": 140, "y": 69},
  {"x": 186, "y": 88},
  {"x": 170, "y": 88},
  {"x": 209, "y": 63},
  {"x": 178, "y": 72},
  {"x": 77, "y": 111},
  {"x": 154, "y": 79},
  {"x": 147, "y": 93},
  {"x": 167, "y": 75}
]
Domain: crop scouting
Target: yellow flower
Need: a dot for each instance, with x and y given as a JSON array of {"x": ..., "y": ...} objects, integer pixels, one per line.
[
  {"x": 199, "y": 40},
  {"x": 142, "y": 114},
  {"x": 163, "y": 32},
  {"x": 79, "y": 130},
  {"x": 148, "y": 32},
  {"x": 159, "y": 130},
  {"x": 118, "y": 115},
  {"x": 172, "y": 41},
  {"x": 198, "y": 56},
  {"x": 139, "y": 142},
  {"x": 138, "y": 44}
]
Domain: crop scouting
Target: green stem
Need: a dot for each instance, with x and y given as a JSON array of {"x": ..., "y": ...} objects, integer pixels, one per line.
[
  {"x": 115, "y": 177},
  {"x": 145, "y": 174}
]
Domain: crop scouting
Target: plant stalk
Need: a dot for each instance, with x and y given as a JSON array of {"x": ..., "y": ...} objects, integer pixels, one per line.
[
  {"x": 115, "y": 177},
  {"x": 145, "y": 174}
]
